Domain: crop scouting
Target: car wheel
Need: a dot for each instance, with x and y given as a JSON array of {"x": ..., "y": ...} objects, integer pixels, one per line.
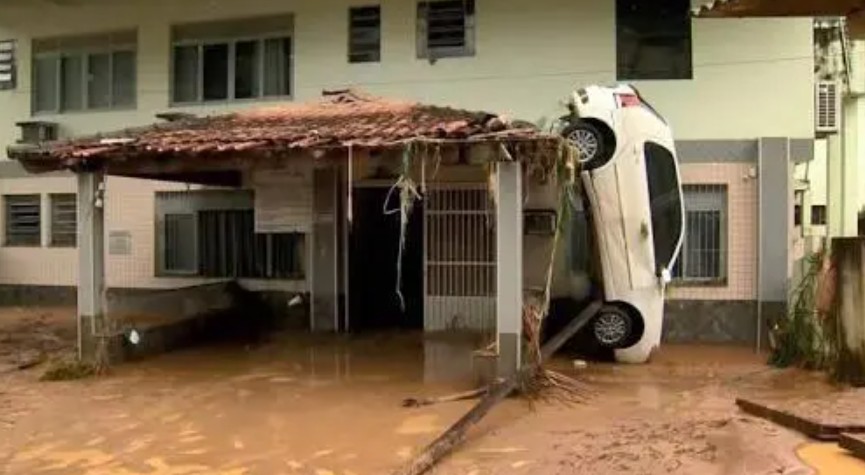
[
  {"x": 590, "y": 142},
  {"x": 613, "y": 327}
]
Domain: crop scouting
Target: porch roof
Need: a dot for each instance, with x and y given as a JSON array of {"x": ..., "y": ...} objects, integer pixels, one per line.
[
  {"x": 853, "y": 10},
  {"x": 339, "y": 120}
]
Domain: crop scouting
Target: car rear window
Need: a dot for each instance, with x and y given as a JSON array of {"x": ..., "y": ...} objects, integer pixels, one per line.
[{"x": 665, "y": 196}]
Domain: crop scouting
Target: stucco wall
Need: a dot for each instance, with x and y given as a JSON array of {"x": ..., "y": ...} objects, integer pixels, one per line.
[{"x": 751, "y": 77}]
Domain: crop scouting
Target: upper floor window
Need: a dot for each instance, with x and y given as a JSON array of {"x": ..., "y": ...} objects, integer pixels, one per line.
[
  {"x": 8, "y": 67},
  {"x": 364, "y": 34},
  {"x": 227, "y": 61},
  {"x": 653, "y": 39},
  {"x": 445, "y": 28},
  {"x": 94, "y": 72},
  {"x": 818, "y": 215}
]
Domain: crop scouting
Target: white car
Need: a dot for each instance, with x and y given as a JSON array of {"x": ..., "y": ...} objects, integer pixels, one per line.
[{"x": 630, "y": 178}]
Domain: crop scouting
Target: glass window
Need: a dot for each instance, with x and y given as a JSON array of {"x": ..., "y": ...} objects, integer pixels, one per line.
[
  {"x": 186, "y": 74},
  {"x": 215, "y": 72},
  {"x": 818, "y": 215},
  {"x": 72, "y": 77},
  {"x": 704, "y": 250},
  {"x": 123, "y": 84},
  {"x": 665, "y": 203},
  {"x": 277, "y": 67},
  {"x": 99, "y": 81},
  {"x": 246, "y": 70},
  {"x": 45, "y": 78},
  {"x": 653, "y": 39}
]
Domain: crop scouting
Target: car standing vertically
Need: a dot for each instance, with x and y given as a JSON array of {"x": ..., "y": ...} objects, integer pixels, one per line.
[{"x": 631, "y": 187}]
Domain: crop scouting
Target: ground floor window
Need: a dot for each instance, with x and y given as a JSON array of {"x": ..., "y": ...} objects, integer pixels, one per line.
[
  {"x": 704, "y": 254},
  {"x": 196, "y": 238}
]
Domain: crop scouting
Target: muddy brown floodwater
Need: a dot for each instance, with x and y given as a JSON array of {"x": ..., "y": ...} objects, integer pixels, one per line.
[{"x": 331, "y": 406}]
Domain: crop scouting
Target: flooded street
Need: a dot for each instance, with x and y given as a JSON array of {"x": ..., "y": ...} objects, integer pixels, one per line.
[{"x": 331, "y": 406}]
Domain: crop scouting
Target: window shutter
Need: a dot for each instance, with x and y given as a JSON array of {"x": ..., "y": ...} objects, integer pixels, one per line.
[{"x": 8, "y": 68}]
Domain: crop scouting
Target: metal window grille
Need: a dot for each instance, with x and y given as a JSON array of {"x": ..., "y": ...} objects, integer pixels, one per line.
[
  {"x": 446, "y": 28},
  {"x": 77, "y": 73},
  {"x": 23, "y": 220},
  {"x": 64, "y": 220},
  {"x": 818, "y": 215},
  {"x": 364, "y": 35},
  {"x": 8, "y": 67},
  {"x": 704, "y": 253}
]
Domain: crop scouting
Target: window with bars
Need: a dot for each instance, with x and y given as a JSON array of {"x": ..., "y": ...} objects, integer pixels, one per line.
[
  {"x": 653, "y": 39},
  {"x": 445, "y": 28},
  {"x": 364, "y": 34},
  {"x": 23, "y": 214},
  {"x": 704, "y": 253},
  {"x": 84, "y": 73},
  {"x": 64, "y": 220},
  {"x": 8, "y": 66},
  {"x": 231, "y": 61}
]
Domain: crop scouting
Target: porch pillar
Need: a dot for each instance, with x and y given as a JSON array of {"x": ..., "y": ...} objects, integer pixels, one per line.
[
  {"x": 509, "y": 266},
  {"x": 91, "y": 263}
]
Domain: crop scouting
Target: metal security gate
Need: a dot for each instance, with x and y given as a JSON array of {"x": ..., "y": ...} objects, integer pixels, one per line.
[{"x": 459, "y": 259}]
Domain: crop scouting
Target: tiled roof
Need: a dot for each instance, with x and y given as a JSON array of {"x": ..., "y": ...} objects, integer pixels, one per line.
[
  {"x": 771, "y": 8},
  {"x": 342, "y": 118}
]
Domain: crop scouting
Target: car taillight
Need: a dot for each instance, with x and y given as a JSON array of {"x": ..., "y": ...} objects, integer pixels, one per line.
[{"x": 629, "y": 100}]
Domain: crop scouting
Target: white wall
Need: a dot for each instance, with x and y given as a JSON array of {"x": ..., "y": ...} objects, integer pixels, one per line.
[{"x": 751, "y": 77}]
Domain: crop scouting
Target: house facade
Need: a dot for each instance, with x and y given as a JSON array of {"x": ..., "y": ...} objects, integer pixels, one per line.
[{"x": 739, "y": 95}]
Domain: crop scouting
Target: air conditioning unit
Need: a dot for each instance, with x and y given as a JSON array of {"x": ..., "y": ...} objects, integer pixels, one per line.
[
  {"x": 37, "y": 131},
  {"x": 828, "y": 107}
]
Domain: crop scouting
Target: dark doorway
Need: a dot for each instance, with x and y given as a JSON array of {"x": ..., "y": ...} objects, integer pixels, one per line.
[{"x": 373, "y": 300}]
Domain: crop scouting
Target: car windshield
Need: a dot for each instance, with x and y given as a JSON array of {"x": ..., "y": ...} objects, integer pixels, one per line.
[{"x": 665, "y": 195}]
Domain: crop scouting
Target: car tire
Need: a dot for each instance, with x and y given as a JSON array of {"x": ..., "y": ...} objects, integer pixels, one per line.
[
  {"x": 613, "y": 327},
  {"x": 590, "y": 140}
]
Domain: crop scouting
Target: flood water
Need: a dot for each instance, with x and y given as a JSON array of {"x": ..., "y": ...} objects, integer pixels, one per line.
[{"x": 332, "y": 406}]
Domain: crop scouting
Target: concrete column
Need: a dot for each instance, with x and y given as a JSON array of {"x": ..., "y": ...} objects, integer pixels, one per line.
[
  {"x": 835, "y": 186},
  {"x": 91, "y": 263},
  {"x": 509, "y": 265}
]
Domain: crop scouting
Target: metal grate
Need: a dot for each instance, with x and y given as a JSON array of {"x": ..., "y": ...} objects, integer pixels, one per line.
[
  {"x": 179, "y": 244},
  {"x": 460, "y": 259},
  {"x": 64, "y": 219},
  {"x": 828, "y": 106},
  {"x": 704, "y": 254},
  {"x": 364, "y": 35},
  {"x": 23, "y": 220}
]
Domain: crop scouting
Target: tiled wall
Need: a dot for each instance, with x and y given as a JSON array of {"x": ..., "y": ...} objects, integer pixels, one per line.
[{"x": 741, "y": 230}]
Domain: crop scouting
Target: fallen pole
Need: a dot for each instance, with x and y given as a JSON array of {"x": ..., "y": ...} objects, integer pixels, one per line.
[{"x": 497, "y": 392}]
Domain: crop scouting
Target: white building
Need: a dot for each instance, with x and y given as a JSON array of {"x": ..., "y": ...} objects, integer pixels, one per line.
[{"x": 738, "y": 93}]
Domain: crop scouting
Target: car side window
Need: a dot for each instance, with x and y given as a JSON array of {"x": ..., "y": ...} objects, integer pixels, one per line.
[{"x": 665, "y": 197}]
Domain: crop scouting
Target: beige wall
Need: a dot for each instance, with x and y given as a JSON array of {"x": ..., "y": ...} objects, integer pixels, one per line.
[
  {"x": 752, "y": 78},
  {"x": 741, "y": 230}
]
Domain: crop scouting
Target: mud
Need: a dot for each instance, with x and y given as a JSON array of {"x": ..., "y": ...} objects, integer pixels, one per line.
[
  {"x": 31, "y": 335},
  {"x": 323, "y": 405}
]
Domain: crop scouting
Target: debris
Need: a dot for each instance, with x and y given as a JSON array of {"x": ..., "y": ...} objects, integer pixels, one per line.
[
  {"x": 473, "y": 394},
  {"x": 65, "y": 370},
  {"x": 580, "y": 364},
  {"x": 452, "y": 437}
]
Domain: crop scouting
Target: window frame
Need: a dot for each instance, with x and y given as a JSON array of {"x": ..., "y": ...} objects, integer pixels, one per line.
[
  {"x": 469, "y": 48},
  {"x": 823, "y": 214},
  {"x": 84, "y": 55},
  {"x": 201, "y": 43},
  {"x": 631, "y": 74},
  {"x": 7, "y": 221},
  {"x": 351, "y": 31},
  {"x": 52, "y": 238},
  {"x": 681, "y": 278}
]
